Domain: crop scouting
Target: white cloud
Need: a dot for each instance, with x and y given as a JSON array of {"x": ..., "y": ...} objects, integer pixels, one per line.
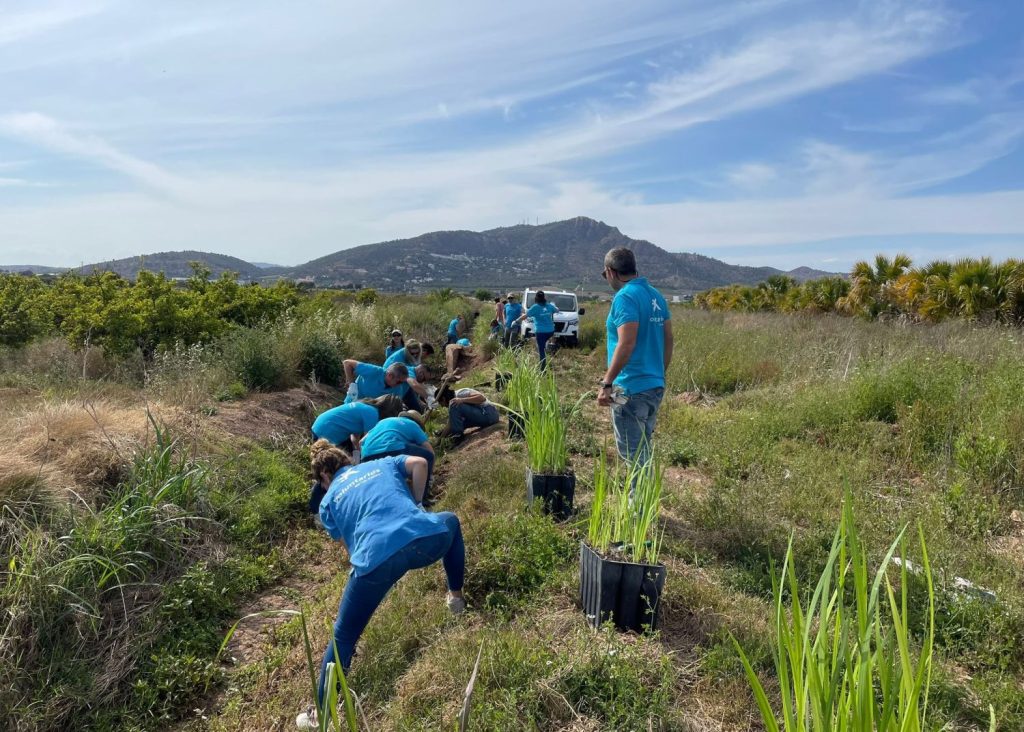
[{"x": 278, "y": 135}]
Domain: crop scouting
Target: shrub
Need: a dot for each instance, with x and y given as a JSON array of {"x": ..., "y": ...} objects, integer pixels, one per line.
[
  {"x": 367, "y": 296},
  {"x": 591, "y": 334},
  {"x": 485, "y": 295},
  {"x": 516, "y": 555},
  {"x": 253, "y": 356},
  {"x": 320, "y": 359}
]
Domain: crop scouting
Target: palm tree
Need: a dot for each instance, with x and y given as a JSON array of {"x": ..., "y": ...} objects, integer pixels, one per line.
[
  {"x": 975, "y": 286},
  {"x": 869, "y": 290}
]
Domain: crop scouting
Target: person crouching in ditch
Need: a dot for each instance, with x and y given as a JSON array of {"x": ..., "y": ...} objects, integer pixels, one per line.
[
  {"x": 372, "y": 510},
  {"x": 466, "y": 408}
]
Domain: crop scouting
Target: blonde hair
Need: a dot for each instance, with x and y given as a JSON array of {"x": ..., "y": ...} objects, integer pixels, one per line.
[{"x": 325, "y": 457}]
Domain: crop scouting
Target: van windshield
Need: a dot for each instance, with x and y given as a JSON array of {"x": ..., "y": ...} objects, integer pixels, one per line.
[{"x": 565, "y": 303}]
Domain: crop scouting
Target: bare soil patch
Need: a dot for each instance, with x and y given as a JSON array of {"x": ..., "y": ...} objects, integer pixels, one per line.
[{"x": 275, "y": 415}]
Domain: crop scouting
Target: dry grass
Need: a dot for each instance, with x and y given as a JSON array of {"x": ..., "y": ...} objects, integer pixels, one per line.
[{"x": 72, "y": 447}]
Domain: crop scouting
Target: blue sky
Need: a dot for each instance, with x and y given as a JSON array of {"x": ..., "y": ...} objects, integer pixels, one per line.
[{"x": 779, "y": 132}]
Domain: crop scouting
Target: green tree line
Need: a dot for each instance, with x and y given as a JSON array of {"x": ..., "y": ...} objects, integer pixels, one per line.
[
  {"x": 976, "y": 289},
  {"x": 122, "y": 316}
]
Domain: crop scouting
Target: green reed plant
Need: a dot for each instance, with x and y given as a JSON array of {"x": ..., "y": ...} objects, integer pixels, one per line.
[
  {"x": 845, "y": 659},
  {"x": 327, "y": 713},
  {"x": 545, "y": 430},
  {"x": 624, "y": 512}
]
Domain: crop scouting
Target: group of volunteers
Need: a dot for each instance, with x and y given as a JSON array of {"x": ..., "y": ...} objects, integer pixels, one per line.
[
  {"x": 372, "y": 461},
  {"x": 509, "y": 312}
]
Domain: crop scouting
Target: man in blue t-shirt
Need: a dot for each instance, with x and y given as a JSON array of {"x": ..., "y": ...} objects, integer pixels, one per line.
[
  {"x": 455, "y": 328},
  {"x": 640, "y": 344},
  {"x": 367, "y": 381},
  {"x": 513, "y": 309}
]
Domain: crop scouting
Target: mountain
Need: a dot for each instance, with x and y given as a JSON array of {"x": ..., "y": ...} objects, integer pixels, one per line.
[
  {"x": 33, "y": 268},
  {"x": 566, "y": 254},
  {"x": 178, "y": 264},
  {"x": 563, "y": 253}
]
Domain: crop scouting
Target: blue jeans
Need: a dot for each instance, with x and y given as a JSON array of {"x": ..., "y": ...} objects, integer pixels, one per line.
[
  {"x": 462, "y": 416},
  {"x": 364, "y": 593},
  {"x": 542, "y": 347},
  {"x": 633, "y": 424}
]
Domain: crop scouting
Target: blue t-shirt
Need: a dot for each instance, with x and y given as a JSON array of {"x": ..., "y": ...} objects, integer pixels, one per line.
[
  {"x": 638, "y": 302},
  {"x": 453, "y": 327},
  {"x": 463, "y": 342},
  {"x": 393, "y": 433},
  {"x": 543, "y": 320},
  {"x": 391, "y": 349},
  {"x": 370, "y": 382},
  {"x": 400, "y": 356},
  {"x": 370, "y": 507},
  {"x": 512, "y": 311},
  {"x": 339, "y": 423}
]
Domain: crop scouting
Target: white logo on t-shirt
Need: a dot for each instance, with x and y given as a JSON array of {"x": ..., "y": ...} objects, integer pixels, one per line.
[{"x": 654, "y": 305}]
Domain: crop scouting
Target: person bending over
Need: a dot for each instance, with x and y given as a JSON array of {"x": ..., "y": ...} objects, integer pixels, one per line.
[
  {"x": 455, "y": 328},
  {"x": 372, "y": 510},
  {"x": 344, "y": 426},
  {"x": 412, "y": 356},
  {"x": 457, "y": 356},
  {"x": 466, "y": 408},
  {"x": 367, "y": 381},
  {"x": 402, "y": 435}
]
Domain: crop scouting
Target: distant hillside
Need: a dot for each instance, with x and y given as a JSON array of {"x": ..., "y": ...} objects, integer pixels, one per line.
[
  {"x": 178, "y": 264},
  {"x": 33, "y": 268},
  {"x": 565, "y": 253}
]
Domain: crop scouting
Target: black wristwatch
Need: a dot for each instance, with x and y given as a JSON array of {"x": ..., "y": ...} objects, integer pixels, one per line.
[{"x": 606, "y": 385}]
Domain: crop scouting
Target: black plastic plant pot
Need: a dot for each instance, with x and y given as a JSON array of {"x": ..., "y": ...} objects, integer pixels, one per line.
[
  {"x": 516, "y": 429},
  {"x": 501, "y": 379},
  {"x": 555, "y": 493},
  {"x": 626, "y": 593}
]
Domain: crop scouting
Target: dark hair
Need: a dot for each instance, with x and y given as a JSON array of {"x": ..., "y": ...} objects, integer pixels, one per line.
[
  {"x": 387, "y": 405},
  {"x": 497, "y": 299},
  {"x": 445, "y": 394},
  {"x": 621, "y": 260},
  {"x": 428, "y": 349},
  {"x": 540, "y": 297}
]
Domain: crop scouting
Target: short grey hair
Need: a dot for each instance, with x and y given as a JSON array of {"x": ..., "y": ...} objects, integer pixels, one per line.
[
  {"x": 621, "y": 260},
  {"x": 399, "y": 369}
]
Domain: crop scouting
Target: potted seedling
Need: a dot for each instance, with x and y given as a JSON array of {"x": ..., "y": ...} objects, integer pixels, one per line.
[
  {"x": 621, "y": 579},
  {"x": 548, "y": 477},
  {"x": 521, "y": 397}
]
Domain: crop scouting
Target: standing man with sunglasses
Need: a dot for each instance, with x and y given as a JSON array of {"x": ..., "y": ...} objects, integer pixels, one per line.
[{"x": 639, "y": 353}]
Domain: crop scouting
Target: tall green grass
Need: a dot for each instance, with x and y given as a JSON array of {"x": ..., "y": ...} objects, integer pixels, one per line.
[
  {"x": 624, "y": 511},
  {"x": 846, "y": 660},
  {"x": 545, "y": 429}
]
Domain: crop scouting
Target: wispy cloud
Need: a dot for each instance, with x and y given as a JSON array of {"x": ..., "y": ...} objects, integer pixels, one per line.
[{"x": 256, "y": 129}]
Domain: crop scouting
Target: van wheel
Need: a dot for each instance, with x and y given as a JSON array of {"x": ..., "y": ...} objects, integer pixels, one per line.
[{"x": 571, "y": 341}]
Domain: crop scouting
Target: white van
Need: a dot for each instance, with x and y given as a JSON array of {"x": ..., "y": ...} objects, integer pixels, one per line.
[{"x": 567, "y": 319}]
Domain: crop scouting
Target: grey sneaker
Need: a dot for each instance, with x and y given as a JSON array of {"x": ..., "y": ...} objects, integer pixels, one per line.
[
  {"x": 307, "y": 720},
  {"x": 456, "y": 605}
]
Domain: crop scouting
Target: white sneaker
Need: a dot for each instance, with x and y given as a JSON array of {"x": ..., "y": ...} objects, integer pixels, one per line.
[
  {"x": 307, "y": 720},
  {"x": 456, "y": 605}
]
